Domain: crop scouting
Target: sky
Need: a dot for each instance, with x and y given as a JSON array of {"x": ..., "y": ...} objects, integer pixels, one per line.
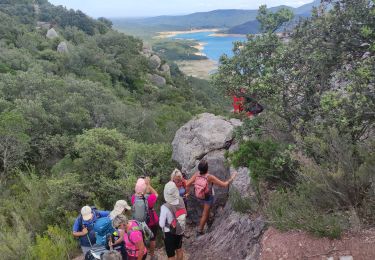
[{"x": 143, "y": 8}]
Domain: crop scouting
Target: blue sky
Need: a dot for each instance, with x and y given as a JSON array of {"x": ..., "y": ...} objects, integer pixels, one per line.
[{"x": 137, "y": 8}]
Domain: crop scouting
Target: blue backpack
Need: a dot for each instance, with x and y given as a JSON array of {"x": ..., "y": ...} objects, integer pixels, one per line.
[{"x": 103, "y": 227}]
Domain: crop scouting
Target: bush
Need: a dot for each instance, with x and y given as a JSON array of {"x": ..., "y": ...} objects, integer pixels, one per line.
[
  {"x": 293, "y": 210},
  {"x": 267, "y": 160},
  {"x": 56, "y": 243},
  {"x": 240, "y": 203}
]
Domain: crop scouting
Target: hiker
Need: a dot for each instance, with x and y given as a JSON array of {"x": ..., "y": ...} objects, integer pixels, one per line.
[
  {"x": 178, "y": 178},
  {"x": 131, "y": 234},
  {"x": 121, "y": 207},
  {"x": 203, "y": 184},
  {"x": 143, "y": 202},
  {"x": 248, "y": 103},
  {"x": 173, "y": 221},
  {"x": 83, "y": 226}
]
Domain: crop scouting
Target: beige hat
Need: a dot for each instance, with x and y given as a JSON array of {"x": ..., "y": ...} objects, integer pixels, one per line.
[
  {"x": 119, "y": 208},
  {"x": 86, "y": 213},
  {"x": 171, "y": 194}
]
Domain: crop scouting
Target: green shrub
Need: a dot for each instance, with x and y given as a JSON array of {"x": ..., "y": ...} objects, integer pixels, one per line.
[
  {"x": 267, "y": 160},
  {"x": 241, "y": 203},
  {"x": 292, "y": 210},
  {"x": 56, "y": 243}
]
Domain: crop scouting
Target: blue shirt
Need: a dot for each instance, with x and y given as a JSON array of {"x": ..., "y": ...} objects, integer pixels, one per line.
[{"x": 79, "y": 223}]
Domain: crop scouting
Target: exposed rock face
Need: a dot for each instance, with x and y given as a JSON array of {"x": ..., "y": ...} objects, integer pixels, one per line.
[
  {"x": 208, "y": 136},
  {"x": 147, "y": 50},
  {"x": 232, "y": 235},
  {"x": 165, "y": 69},
  {"x": 51, "y": 34},
  {"x": 155, "y": 61},
  {"x": 157, "y": 80},
  {"x": 62, "y": 47},
  {"x": 200, "y": 136}
]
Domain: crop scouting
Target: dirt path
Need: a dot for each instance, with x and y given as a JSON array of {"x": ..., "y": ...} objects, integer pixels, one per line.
[{"x": 299, "y": 245}]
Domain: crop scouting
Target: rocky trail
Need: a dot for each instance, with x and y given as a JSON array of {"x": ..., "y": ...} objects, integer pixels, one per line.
[{"x": 233, "y": 235}]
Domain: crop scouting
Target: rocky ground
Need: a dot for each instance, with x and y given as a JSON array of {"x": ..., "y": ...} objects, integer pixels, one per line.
[{"x": 237, "y": 236}]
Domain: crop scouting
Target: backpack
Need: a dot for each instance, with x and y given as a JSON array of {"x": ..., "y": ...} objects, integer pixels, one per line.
[
  {"x": 103, "y": 227},
  {"x": 147, "y": 234},
  {"x": 90, "y": 237},
  {"x": 201, "y": 186},
  {"x": 177, "y": 226},
  {"x": 140, "y": 209}
]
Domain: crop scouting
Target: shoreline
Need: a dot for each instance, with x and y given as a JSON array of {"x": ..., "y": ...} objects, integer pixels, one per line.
[
  {"x": 227, "y": 35},
  {"x": 201, "y": 69},
  {"x": 168, "y": 34},
  {"x": 200, "y": 47}
]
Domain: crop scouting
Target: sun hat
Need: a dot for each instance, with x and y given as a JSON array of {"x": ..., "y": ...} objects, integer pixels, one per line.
[
  {"x": 86, "y": 213},
  {"x": 140, "y": 186},
  {"x": 171, "y": 194},
  {"x": 119, "y": 208}
]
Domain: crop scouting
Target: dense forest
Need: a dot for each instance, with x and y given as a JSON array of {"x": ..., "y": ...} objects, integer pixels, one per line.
[
  {"x": 79, "y": 120},
  {"x": 311, "y": 154}
]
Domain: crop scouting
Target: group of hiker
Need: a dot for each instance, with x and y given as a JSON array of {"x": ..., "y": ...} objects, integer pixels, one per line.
[{"x": 129, "y": 232}]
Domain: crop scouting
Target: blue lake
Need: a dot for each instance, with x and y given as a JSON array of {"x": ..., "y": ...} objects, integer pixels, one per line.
[{"x": 215, "y": 46}]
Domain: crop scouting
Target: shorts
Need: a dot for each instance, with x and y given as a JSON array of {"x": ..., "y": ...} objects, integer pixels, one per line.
[
  {"x": 172, "y": 243},
  {"x": 209, "y": 200},
  {"x": 155, "y": 231}
]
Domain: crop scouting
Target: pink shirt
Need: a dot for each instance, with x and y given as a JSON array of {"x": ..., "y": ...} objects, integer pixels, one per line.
[
  {"x": 135, "y": 237},
  {"x": 151, "y": 200}
]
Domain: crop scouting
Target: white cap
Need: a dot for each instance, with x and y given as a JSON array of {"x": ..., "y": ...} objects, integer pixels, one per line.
[
  {"x": 86, "y": 213},
  {"x": 119, "y": 208}
]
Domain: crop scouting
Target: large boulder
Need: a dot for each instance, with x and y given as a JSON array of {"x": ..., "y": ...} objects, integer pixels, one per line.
[
  {"x": 146, "y": 50},
  {"x": 154, "y": 61},
  {"x": 51, "y": 34},
  {"x": 202, "y": 135},
  {"x": 157, "y": 80},
  {"x": 205, "y": 137},
  {"x": 165, "y": 70},
  {"x": 62, "y": 47}
]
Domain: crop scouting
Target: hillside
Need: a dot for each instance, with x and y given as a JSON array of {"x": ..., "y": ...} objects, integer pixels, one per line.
[{"x": 83, "y": 110}]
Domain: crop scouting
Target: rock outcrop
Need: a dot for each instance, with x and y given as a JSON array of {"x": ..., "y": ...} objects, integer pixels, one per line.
[
  {"x": 157, "y": 80},
  {"x": 231, "y": 235},
  {"x": 62, "y": 47},
  {"x": 146, "y": 50},
  {"x": 52, "y": 34},
  {"x": 208, "y": 136},
  {"x": 165, "y": 70},
  {"x": 198, "y": 137},
  {"x": 154, "y": 61}
]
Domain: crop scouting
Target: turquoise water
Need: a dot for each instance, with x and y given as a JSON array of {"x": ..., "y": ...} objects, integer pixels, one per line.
[{"x": 215, "y": 46}]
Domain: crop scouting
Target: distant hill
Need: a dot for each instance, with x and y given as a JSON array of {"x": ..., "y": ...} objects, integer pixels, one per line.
[
  {"x": 234, "y": 20},
  {"x": 238, "y": 21},
  {"x": 253, "y": 25}
]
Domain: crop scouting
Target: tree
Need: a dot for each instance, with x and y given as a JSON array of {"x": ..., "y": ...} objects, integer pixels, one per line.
[
  {"x": 271, "y": 22},
  {"x": 13, "y": 141}
]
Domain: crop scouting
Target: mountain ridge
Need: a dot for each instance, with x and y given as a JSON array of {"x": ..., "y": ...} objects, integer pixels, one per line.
[{"x": 219, "y": 18}]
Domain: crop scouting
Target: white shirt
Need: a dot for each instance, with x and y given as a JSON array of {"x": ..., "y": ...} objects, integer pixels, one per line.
[{"x": 165, "y": 215}]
